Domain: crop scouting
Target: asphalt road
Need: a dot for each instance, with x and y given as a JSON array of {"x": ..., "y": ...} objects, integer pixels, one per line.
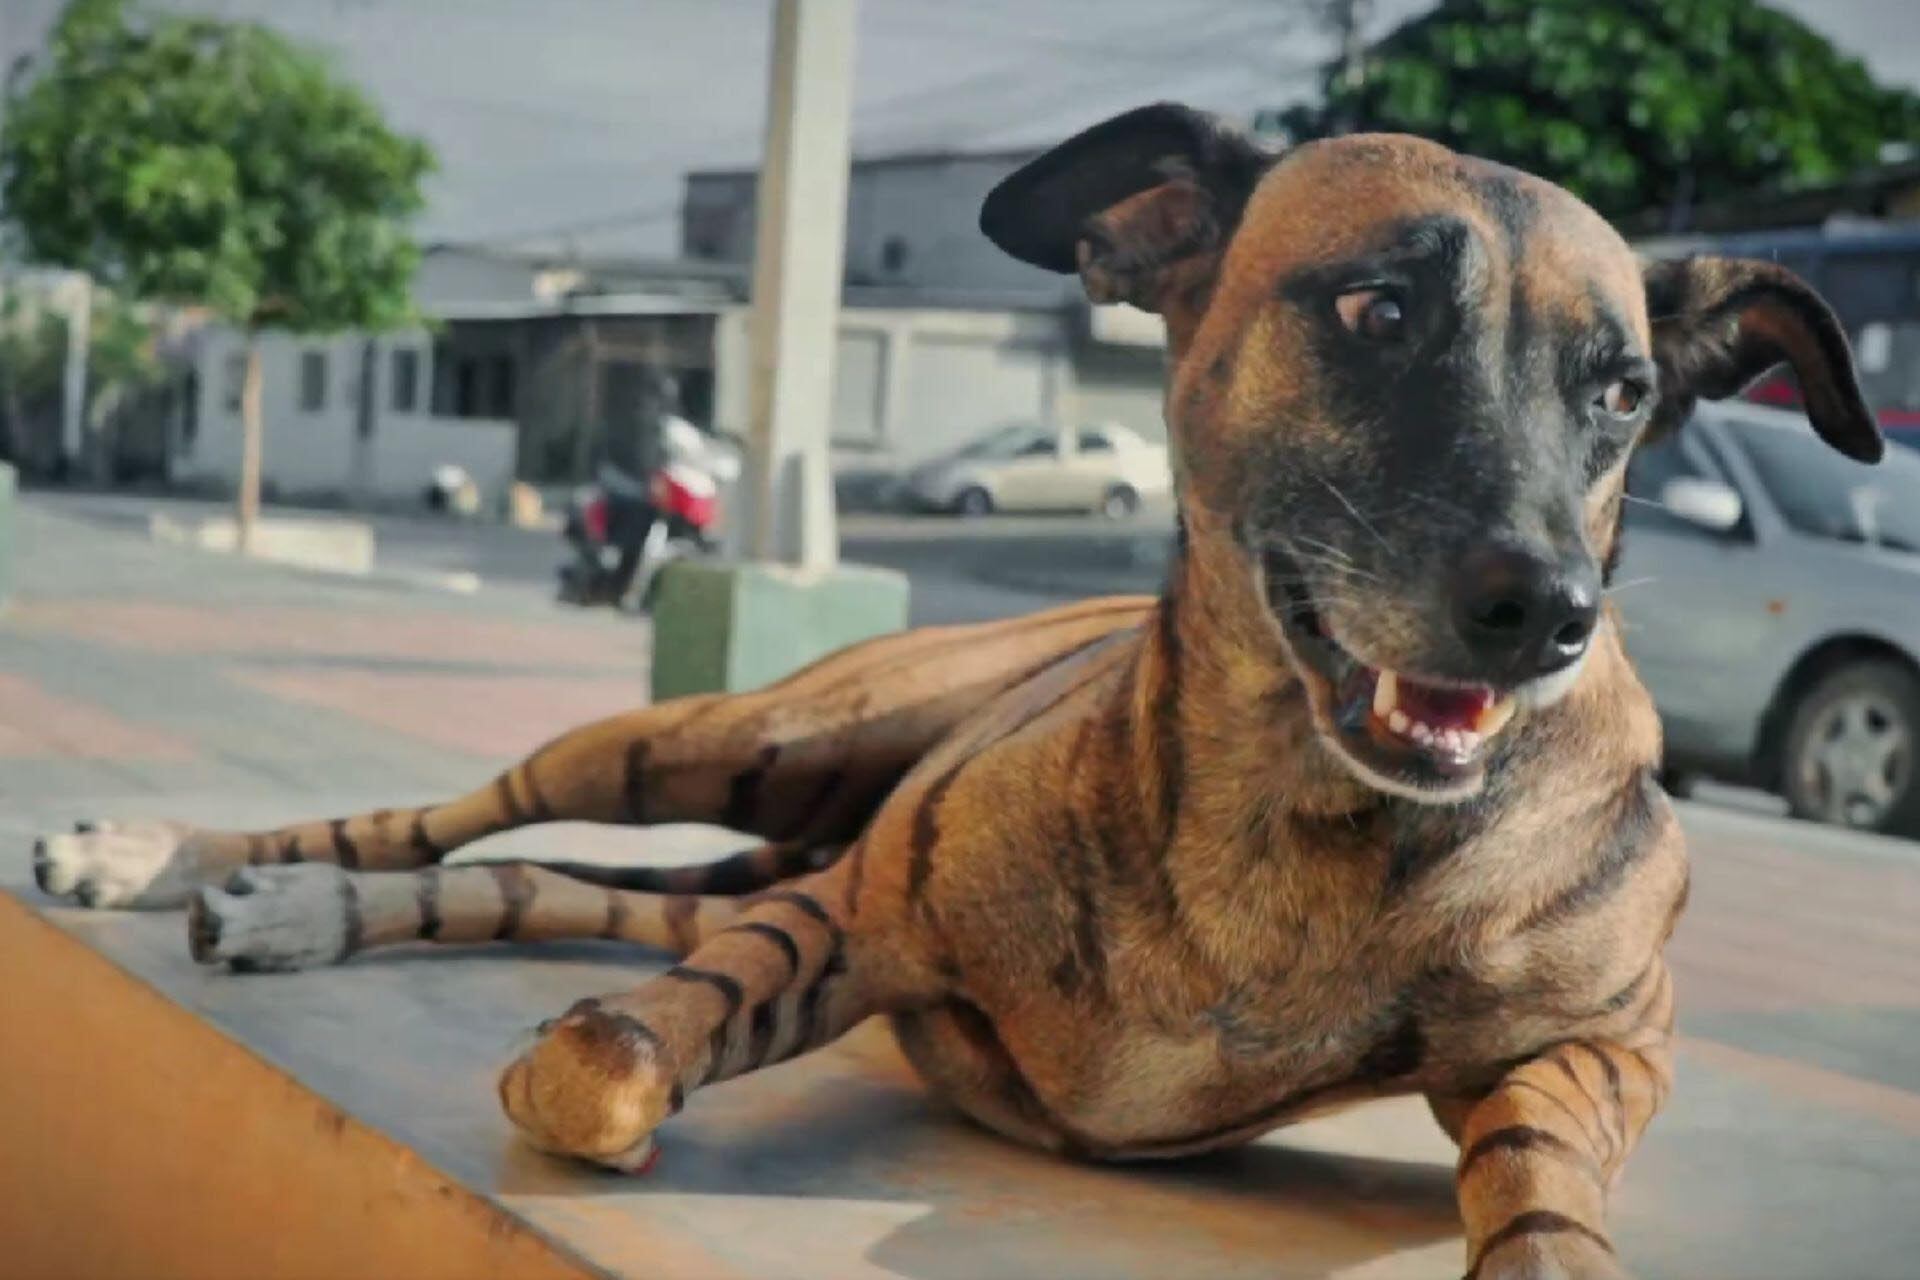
[{"x": 961, "y": 571}]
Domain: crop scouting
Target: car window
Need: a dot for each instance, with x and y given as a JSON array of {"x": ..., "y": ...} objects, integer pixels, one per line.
[
  {"x": 1093, "y": 442},
  {"x": 1046, "y": 448},
  {"x": 1008, "y": 442},
  {"x": 1825, "y": 495}
]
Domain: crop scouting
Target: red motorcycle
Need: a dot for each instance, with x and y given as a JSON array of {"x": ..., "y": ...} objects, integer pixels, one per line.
[{"x": 680, "y": 514}]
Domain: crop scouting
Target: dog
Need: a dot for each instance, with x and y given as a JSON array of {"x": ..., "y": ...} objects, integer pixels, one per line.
[{"x": 1362, "y": 804}]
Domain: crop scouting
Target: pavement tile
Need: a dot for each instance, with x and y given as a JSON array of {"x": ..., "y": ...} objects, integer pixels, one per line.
[
  {"x": 36, "y": 723},
  {"x": 160, "y": 626},
  {"x": 481, "y": 715}
]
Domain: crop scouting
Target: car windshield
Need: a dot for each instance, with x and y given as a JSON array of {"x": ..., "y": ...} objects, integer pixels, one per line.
[
  {"x": 1827, "y": 496},
  {"x": 1007, "y": 442}
]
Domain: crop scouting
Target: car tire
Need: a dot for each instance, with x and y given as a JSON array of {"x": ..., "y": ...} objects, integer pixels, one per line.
[
  {"x": 1851, "y": 754},
  {"x": 1120, "y": 503},
  {"x": 973, "y": 501}
]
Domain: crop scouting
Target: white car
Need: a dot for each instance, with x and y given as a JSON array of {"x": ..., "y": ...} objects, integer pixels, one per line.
[{"x": 1105, "y": 468}]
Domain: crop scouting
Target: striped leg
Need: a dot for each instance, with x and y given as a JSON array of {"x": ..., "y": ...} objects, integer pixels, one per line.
[
  {"x": 274, "y": 919},
  {"x": 783, "y": 978},
  {"x": 1539, "y": 1152},
  {"x": 806, "y": 759}
]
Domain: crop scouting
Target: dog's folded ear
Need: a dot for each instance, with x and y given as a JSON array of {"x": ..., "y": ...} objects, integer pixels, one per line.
[
  {"x": 1133, "y": 204},
  {"x": 1720, "y": 323}
]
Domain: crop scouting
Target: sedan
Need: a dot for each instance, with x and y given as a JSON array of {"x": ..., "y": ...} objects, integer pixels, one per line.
[
  {"x": 1770, "y": 595},
  {"x": 1105, "y": 468}
]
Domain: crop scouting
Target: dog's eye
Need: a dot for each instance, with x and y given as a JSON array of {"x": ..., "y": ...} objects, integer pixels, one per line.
[
  {"x": 1377, "y": 315},
  {"x": 1622, "y": 399}
]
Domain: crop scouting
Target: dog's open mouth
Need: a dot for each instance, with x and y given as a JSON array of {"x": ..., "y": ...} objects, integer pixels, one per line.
[{"x": 1403, "y": 731}]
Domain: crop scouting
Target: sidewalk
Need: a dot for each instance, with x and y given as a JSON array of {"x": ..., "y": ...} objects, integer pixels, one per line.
[
  {"x": 135, "y": 676},
  {"x": 142, "y": 680}
]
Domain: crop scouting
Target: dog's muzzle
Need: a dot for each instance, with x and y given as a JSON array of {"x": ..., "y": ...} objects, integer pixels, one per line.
[{"x": 1425, "y": 736}]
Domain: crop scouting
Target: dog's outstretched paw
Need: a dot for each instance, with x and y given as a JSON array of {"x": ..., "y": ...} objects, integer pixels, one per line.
[
  {"x": 141, "y": 865},
  {"x": 594, "y": 1087},
  {"x": 274, "y": 919}
]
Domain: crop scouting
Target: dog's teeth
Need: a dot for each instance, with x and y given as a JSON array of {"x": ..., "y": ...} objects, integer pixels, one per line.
[
  {"x": 1423, "y": 735},
  {"x": 1398, "y": 722},
  {"x": 1494, "y": 718},
  {"x": 1386, "y": 695}
]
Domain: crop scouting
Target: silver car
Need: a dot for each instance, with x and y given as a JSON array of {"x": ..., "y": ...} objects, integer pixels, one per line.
[
  {"x": 1104, "y": 467},
  {"x": 1770, "y": 592}
]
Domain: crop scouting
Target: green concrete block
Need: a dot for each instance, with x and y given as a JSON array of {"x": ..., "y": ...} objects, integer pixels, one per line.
[
  {"x": 6, "y": 533},
  {"x": 720, "y": 627}
]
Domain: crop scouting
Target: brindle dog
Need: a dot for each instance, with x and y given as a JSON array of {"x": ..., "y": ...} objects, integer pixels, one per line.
[{"x": 1361, "y": 805}]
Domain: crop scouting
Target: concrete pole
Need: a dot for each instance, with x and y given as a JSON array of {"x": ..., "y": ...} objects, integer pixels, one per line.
[
  {"x": 73, "y": 396},
  {"x": 798, "y": 251}
]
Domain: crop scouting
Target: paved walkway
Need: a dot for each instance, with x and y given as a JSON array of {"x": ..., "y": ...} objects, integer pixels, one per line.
[{"x": 143, "y": 680}]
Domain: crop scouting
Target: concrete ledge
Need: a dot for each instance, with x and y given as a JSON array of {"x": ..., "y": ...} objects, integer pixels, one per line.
[
  {"x": 727, "y": 627},
  {"x": 140, "y": 1142},
  {"x": 333, "y": 546},
  {"x": 159, "y": 1119}
]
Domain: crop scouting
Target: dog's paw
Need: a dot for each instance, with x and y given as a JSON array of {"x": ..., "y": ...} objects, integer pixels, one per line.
[
  {"x": 273, "y": 919},
  {"x": 594, "y": 1087},
  {"x": 142, "y": 865},
  {"x": 1559, "y": 1256}
]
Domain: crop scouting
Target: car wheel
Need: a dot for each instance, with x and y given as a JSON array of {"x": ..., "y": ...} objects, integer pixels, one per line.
[
  {"x": 1120, "y": 503},
  {"x": 973, "y": 501},
  {"x": 1850, "y": 754}
]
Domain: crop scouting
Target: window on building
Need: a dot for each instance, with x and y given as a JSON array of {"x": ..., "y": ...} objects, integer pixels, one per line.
[
  {"x": 313, "y": 381},
  {"x": 500, "y": 387},
  {"x": 466, "y": 388},
  {"x": 893, "y": 255},
  {"x": 406, "y": 379},
  {"x": 233, "y": 386}
]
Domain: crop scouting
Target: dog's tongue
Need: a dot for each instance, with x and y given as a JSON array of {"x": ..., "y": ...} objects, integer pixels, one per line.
[{"x": 1443, "y": 706}]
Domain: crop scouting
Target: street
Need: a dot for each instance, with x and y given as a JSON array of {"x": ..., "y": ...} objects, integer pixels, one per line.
[{"x": 138, "y": 679}]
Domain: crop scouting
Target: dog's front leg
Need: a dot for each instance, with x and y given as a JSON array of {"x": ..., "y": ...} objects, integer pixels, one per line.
[{"x": 1539, "y": 1152}]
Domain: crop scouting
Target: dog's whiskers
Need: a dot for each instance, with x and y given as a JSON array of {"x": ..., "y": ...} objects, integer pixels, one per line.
[{"x": 1354, "y": 511}]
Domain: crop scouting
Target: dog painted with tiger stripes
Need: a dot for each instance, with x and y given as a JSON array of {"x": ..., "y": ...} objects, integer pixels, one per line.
[{"x": 1362, "y": 804}]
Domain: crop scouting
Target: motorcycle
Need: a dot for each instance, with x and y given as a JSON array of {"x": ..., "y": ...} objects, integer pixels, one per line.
[{"x": 682, "y": 507}]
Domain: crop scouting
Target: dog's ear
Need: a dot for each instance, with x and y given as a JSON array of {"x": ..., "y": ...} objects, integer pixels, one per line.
[
  {"x": 1720, "y": 323},
  {"x": 1132, "y": 204}
]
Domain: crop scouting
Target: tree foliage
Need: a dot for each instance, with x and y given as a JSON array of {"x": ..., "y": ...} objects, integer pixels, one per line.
[
  {"x": 213, "y": 163},
  {"x": 1633, "y": 104}
]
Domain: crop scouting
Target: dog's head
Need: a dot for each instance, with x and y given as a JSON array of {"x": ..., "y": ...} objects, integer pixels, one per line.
[{"x": 1403, "y": 391}]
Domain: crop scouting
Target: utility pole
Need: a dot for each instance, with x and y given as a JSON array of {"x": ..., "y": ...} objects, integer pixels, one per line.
[
  {"x": 741, "y": 624},
  {"x": 1349, "y": 19},
  {"x": 800, "y": 243}
]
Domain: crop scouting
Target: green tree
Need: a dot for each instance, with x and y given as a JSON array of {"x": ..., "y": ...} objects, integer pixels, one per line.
[
  {"x": 213, "y": 164},
  {"x": 1633, "y": 104}
]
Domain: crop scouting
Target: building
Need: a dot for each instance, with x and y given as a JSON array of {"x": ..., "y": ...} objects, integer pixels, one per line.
[
  {"x": 532, "y": 357},
  {"x": 943, "y": 336}
]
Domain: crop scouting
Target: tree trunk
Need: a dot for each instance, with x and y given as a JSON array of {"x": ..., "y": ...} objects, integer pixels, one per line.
[{"x": 250, "y": 432}]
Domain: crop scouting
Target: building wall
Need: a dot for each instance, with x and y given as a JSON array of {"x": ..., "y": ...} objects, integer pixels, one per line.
[
  {"x": 319, "y": 450},
  {"x": 913, "y": 382},
  {"x": 910, "y": 224}
]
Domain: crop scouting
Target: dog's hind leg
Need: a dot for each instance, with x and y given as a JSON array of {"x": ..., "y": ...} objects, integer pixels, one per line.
[{"x": 808, "y": 758}]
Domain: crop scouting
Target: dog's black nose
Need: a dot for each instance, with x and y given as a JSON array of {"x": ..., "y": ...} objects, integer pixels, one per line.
[{"x": 1522, "y": 615}]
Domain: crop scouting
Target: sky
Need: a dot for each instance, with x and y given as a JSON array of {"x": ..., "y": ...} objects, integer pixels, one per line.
[{"x": 563, "y": 121}]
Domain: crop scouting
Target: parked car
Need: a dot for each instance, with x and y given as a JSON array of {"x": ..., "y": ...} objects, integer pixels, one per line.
[
  {"x": 1106, "y": 468},
  {"x": 1770, "y": 593}
]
